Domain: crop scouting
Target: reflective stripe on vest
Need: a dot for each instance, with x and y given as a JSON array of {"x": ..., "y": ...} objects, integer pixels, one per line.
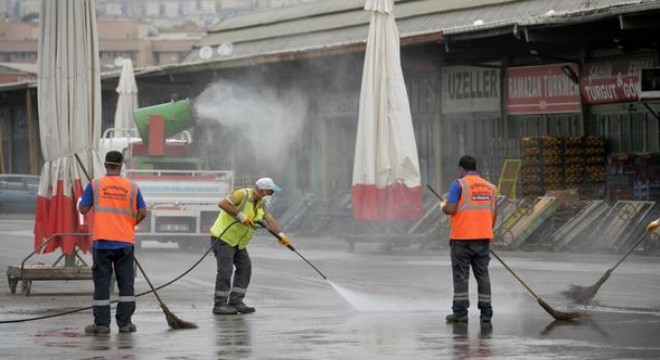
[
  {"x": 114, "y": 213},
  {"x": 238, "y": 234},
  {"x": 473, "y": 219},
  {"x": 106, "y": 209}
]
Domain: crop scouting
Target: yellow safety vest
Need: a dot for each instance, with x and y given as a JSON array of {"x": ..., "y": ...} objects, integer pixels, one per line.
[{"x": 239, "y": 234}]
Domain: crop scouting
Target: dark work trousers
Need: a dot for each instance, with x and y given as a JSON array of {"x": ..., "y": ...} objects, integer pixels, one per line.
[
  {"x": 228, "y": 257},
  {"x": 122, "y": 261},
  {"x": 466, "y": 253}
]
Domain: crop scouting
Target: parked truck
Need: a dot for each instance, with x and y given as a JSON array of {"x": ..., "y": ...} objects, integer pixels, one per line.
[{"x": 181, "y": 195}]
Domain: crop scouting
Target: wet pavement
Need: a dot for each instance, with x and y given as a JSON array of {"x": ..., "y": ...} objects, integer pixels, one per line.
[{"x": 376, "y": 306}]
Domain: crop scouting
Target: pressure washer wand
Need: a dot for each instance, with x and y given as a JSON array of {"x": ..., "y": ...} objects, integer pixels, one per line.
[{"x": 265, "y": 226}]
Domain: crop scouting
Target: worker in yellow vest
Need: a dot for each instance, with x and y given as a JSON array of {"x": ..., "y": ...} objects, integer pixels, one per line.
[
  {"x": 230, "y": 234},
  {"x": 118, "y": 207},
  {"x": 471, "y": 203}
]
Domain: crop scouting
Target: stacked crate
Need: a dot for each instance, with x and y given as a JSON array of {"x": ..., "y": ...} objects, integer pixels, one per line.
[
  {"x": 541, "y": 170},
  {"x": 574, "y": 161},
  {"x": 557, "y": 163},
  {"x": 594, "y": 166}
]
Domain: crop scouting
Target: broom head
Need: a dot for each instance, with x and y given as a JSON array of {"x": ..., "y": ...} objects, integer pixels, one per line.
[
  {"x": 584, "y": 294},
  {"x": 559, "y": 315},
  {"x": 174, "y": 322}
]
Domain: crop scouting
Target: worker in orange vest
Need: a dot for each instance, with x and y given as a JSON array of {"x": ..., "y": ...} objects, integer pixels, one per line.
[
  {"x": 472, "y": 205},
  {"x": 118, "y": 207}
]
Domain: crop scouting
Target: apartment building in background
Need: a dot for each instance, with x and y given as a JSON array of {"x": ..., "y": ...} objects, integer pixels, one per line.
[
  {"x": 143, "y": 44},
  {"x": 197, "y": 10}
]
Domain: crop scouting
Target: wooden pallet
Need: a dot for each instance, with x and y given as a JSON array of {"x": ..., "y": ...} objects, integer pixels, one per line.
[{"x": 27, "y": 274}]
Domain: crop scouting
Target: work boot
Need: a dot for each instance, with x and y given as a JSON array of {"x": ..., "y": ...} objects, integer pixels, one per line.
[
  {"x": 486, "y": 330},
  {"x": 453, "y": 318},
  {"x": 223, "y": 309},
  {"x": 128, "y": 328},
  {"x": 97, "y": 329},
  {"x": 242, "y": 308}
]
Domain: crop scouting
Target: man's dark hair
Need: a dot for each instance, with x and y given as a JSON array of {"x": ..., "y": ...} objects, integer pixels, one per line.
[
  {"x": 468, "y": 163},
  {"x": 114, "y": 158}
]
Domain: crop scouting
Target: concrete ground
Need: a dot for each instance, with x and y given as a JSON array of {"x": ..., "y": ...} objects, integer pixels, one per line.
[{"x": 375, "y": 306}]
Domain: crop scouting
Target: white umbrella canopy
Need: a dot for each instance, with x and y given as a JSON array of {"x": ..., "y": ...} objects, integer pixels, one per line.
[
  {"x": 69, "y": 100},
  {"x": 386, "y": 177},
  {"x": 127, "y": 99}
]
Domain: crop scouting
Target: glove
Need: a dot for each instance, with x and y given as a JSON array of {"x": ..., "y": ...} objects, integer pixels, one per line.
[
  {"x": 653, "y": 225},
  {"x": 284, "y": 240},
  {"x": 442, "y": 203},
  {"x": 244, "y": 219}
]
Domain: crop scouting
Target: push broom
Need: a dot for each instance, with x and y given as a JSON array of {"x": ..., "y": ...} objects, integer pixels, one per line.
[
  {"x": 558, "y": 315},
  {"x": 584, "y": 294},
  {"x": 172, "y": 320}
]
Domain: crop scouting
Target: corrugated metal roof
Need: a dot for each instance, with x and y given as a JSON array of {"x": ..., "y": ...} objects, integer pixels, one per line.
[
  {"x": 292, "y": 27},
  {"x": 350, "y": 28},
  {"x": 20, "y": 67},
  {"x": 29, "y": 84},
  {"x": 546, "y": 12},
  {"x": 286, "y": 13},
  {"x": 601, "y": 10},
  {"x": 338, "y": 15},
  {"x": 413, "y": 17}
]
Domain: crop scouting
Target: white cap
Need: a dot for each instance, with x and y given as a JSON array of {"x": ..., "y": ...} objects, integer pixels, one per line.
[{"x": 267, "y": 184}]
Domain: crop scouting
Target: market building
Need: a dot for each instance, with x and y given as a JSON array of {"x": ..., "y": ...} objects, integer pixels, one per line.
[{"x": 479, "y": 74}]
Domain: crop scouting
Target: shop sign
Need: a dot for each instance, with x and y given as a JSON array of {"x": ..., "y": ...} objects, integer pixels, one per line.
[
  {"x": 613, "y": 81},
  {"x": 470, "y": 89},
  {"x": 541, "y": 90}
]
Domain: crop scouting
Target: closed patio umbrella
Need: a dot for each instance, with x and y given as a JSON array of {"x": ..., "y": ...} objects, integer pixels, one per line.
[
  {"x": 386, "y": 178},
  {"x": 69, "y": 101},
  {"x": 127, "y": 99}
]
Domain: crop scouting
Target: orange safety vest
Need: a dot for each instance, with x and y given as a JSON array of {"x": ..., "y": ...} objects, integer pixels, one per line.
[
  {"x": 473, "y": 220},
  {"x": 115, "y": 209}
]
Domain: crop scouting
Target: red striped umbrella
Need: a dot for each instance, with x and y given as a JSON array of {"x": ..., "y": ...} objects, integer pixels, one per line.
[
  {"x": 69, "y": 99},
  {"x": 386, "y": 177}
]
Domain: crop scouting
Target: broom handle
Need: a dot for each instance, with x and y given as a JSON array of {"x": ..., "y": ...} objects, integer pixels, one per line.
[
  {"x": 629, "y": 251},
  {"x": 434, "y": 192},
  {"x": 514, "y": 274},
  {"x": 89, "y": 179},
  {"x": 153, "y": 289}
]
